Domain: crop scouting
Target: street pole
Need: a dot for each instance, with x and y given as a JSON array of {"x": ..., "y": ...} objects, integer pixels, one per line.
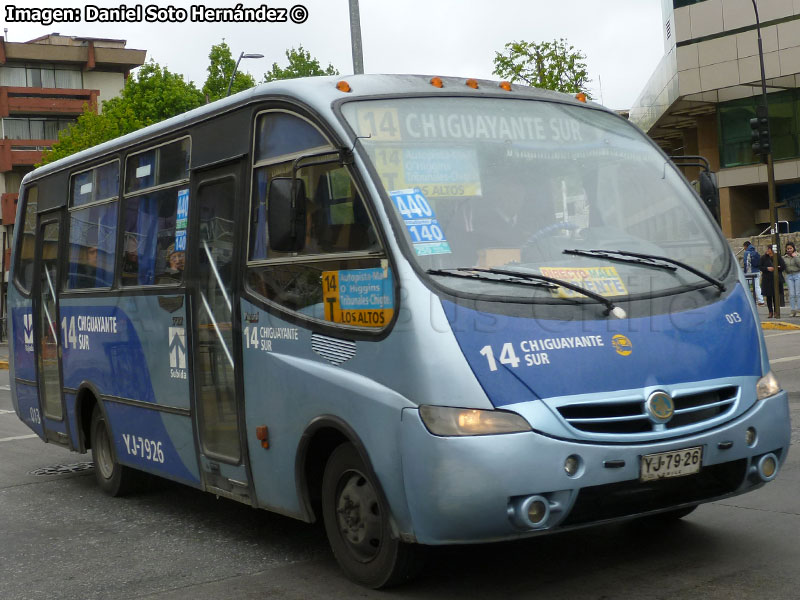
[
  {"x": 355, "y": 38},
  {"x": 773, "y": 210},
  {"x": 236, "y": 68}
]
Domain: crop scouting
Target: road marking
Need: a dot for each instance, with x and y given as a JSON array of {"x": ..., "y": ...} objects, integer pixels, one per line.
[
  {"x": 772, "y": 335},
  {"x": 19, "y": 437},
  {"x": 783, "y": 360},
  {"x": 8, "y": 387},
  {"x": 6, "y": 412}
]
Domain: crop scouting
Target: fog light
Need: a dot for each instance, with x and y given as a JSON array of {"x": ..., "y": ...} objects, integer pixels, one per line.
[
  {"x": 768, "y": 467},
  {"x": 537, "y": 512},
  {"x": 750, "y": 436},
  {"x": 530, "y": 512},
  {"x": 572, "y": 465}
]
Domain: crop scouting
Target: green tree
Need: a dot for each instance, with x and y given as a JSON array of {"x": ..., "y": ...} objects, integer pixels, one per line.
[
  {"x": 220, "y": 69},
  {"x": 151, "y": 95},
  {"x": 300, "y": 65},
  {"x": 552, "y": 65}
]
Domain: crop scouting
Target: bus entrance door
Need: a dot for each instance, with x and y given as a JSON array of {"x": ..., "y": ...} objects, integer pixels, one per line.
[
  {"x": 48, "y": 335},
  {"x": 217, "y": 385}
]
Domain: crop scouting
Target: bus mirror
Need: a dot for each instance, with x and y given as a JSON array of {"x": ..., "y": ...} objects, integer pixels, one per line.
[
  {"x": 709, "y": 193},
  {"x": 286, "y": 209}
]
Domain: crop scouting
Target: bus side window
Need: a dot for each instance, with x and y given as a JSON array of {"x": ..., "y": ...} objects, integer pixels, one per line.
[
  {"x": 341, "y": 241},
  {"x": 155, "y": 217},
  {"x": 93, "y": 227},
  {"x": 27, "y": 242},
  {"x": 150, "y": 238}
]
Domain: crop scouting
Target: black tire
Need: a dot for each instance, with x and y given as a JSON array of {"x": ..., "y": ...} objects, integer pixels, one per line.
[
  {"x": 357, "y": 523},
  {"x": 113, "y": 478}
]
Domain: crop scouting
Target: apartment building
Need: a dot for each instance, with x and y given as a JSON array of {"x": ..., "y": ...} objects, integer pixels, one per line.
[
  {"x": 705, "y": 90},
  {"x": 44, "y": 85}
]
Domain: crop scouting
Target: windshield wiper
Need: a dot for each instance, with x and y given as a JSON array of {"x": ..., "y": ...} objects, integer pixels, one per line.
[
  {"x": 651, "y": 260},
  {"x": 522, "y": 277},
  {"x": 475, "y": 273}
]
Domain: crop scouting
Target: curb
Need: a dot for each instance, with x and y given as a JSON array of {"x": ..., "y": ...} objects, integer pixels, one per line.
[{"x": 779, "y": 325}]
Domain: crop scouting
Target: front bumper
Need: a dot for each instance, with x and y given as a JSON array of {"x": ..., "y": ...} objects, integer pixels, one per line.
[{"x": 463, "y": 489}]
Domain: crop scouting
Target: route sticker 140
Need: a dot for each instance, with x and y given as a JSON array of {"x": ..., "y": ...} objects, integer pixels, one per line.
[{"x": 420, "y": 221}]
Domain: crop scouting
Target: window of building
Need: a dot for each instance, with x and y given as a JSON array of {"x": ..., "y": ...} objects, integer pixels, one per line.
[
  {"x": 27, "y": 242},
  {"x": 13, "y": 76},
  {"x": 33, "y": 128},
  {"x": 93, "y": 227},
  {"x": 340, "y": 274},
  {"x": 735, "y": 141},
  {"x": 155, "y": 215},
  {"x": 42, "y": 76}
]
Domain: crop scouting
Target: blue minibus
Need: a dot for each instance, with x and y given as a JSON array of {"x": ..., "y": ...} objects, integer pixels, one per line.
[{"x": 421, "y": 310}]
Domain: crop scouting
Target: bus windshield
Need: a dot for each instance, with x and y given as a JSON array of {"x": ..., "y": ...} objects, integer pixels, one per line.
[{"x": 508, "y": 184}]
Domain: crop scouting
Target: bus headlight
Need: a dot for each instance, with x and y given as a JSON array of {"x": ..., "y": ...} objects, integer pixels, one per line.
[
  {"x": 447, "y": 421},
  {"x": 767, "y": 386}
]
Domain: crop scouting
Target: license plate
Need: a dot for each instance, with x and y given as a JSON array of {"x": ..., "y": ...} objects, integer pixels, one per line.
[{"x": 676, "y": 463}]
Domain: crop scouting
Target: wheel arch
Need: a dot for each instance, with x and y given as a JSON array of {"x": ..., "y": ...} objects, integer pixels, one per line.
[
  {"x": 85, "y": 400},
  {"x": 320, "y": 438}
]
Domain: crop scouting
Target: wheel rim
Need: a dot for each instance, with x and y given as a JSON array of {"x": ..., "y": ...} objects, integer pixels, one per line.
[
  {"x": 358, "y": 515},
  {"x": 103, "y": 456}
]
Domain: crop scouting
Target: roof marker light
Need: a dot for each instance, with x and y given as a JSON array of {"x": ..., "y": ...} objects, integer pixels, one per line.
[
  {"x": 581, "y": 97},
  {"x": 505, "y": 85},
  {"x": 473, "y": 83},
  {"x": 437, "y": 82},
  {"x": 343, "y": 86}
]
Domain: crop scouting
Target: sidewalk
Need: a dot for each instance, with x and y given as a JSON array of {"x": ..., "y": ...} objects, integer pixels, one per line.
[{"x": 786, "y": 322}]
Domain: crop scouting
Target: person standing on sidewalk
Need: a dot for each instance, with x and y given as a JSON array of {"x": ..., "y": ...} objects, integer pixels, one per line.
[
  {"x": 750, "y": 262},
  {"x": 768, "y": 279},
  {"x": 792, "y": 260}
]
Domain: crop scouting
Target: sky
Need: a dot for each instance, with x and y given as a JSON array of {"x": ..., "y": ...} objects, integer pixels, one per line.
[{"x": 621, "y": 39}]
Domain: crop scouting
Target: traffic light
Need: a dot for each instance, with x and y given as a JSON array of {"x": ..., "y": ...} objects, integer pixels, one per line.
[{"x": 760, "y": 133}]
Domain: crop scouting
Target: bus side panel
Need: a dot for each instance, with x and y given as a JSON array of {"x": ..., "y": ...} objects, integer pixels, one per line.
[
  {"x": 153, "y": 441},
  {"x": 125, "y": 347},
  {"x": 72, "y": 419},
  {"x": 22, "y": 341},
  {"x": 24, "y": 394},
  {"x": 28, "y": 406},
  {"x": 287, "y": 386},
  {"x": 131, "y": 351}
]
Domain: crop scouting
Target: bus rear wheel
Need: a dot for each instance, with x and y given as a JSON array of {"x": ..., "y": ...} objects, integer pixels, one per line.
[
  {"x": 113, "y": 478},
  {"x": 357, "y": 524}
]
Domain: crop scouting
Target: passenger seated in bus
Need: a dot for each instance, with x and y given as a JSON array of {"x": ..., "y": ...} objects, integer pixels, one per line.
[{"x": 175, "y": 263}]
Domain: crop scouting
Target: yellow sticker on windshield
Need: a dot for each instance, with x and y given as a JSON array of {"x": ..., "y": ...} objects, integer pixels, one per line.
[
  {"x": 437, "y": 172},
  {"x": 379, "y": 124},
  {"x": 600, "y": 280}
]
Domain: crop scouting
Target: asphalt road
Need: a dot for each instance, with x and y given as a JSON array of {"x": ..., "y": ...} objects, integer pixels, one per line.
[{"x": 61, "y": 538}]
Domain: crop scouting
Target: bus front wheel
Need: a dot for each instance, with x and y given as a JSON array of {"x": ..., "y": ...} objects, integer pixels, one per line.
[
  {"x": 357, "y": 524},
  {"x": 113, "y": 478}
]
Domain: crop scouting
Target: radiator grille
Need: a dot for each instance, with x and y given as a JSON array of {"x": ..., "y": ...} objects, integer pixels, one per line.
[{"x": 629, "y": 417}]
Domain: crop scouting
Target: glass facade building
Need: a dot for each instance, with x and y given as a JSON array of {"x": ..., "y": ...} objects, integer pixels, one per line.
[
  {"x": 704, "y": 92},
  {"x": 735, "y": 134}
]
